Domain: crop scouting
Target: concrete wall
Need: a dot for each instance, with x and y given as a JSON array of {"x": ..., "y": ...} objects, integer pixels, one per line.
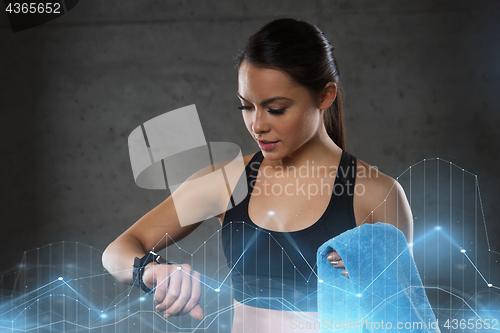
[{"x": 421, "y": 78}]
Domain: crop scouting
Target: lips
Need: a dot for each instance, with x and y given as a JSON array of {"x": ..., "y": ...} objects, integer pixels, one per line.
[{"x": 267, "y": 145}]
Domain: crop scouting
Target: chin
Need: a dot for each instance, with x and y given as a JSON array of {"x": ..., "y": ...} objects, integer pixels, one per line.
[{"x": 272, "y": 155}]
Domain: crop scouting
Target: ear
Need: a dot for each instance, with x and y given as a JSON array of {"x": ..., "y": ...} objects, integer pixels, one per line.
[{"x": 328, "y": 96}]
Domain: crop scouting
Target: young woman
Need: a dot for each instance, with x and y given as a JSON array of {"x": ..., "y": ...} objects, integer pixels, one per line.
[{"x": 303, "y": 189}]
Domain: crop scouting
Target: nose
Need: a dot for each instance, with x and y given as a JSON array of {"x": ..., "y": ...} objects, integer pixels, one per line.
[{"x": 260, "y": 122}]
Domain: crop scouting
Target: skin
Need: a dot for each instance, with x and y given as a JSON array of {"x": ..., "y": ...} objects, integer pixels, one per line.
[{"x": 302, "y": 138}]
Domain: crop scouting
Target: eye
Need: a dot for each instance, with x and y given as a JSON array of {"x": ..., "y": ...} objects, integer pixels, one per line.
[
  {"x": 245, "y": 107},
  {"x": 276, "y": 111}
]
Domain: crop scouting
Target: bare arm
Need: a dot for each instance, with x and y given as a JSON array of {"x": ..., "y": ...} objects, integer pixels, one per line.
[
  {"x": 146, "y": 234},
  {"x": 382, "y": 200},
  {"x": 396, "y": 212},
  {"x": 177, "y": 287},
  {"x": 194, "y": 200}
]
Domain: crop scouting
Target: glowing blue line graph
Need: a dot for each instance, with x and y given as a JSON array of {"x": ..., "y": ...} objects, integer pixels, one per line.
[{"x": 62, "y": 287}]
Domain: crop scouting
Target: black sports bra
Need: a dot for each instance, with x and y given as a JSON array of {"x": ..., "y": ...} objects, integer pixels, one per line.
[{"x": 277, "y": 270}]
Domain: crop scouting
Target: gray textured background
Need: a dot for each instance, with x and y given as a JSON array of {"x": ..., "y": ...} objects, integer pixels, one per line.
[{"x": 422, "y": 79}]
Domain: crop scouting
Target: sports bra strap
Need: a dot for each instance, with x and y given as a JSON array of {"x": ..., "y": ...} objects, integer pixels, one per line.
[{"x": 347, "y": 168}]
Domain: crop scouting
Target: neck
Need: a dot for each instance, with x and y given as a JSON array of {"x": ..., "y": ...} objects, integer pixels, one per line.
[{"x": 320, "y": 148}]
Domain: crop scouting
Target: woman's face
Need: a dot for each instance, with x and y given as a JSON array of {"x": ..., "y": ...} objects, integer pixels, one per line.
[{"x": 280, "y": 115}]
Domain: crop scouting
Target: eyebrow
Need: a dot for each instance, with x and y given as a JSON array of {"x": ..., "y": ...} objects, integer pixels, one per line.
[{"x": 267, "y": 101}]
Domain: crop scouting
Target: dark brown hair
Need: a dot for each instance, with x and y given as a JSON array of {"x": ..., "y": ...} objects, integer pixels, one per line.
[{"x": 302, "y": 51}]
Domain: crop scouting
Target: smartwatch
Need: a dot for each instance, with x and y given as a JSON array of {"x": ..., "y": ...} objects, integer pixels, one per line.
[{"x": 138, "y": 270}]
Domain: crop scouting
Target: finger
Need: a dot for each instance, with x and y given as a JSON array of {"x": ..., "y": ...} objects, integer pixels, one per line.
[
  {"x": 337, "y": 263},
  {"x": 197, "y": 312},
  {"x": 195, "y": 294},
  {"x": 333, "y": 256},
  {"x": 160, "y": 290},
  {"x": 345, "y": 273},
  {"x": 173, "y": 290},
  {"x": 184, "y": 293}
]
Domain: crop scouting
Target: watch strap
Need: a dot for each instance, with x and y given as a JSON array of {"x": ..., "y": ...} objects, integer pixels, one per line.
[{"x": 138, "y": 270}]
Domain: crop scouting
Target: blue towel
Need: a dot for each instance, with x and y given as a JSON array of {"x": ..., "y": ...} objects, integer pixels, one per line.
[{"x": 383, "y": 292}]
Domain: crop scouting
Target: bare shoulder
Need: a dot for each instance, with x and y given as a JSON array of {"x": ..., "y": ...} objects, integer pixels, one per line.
[
  {"x": 248, "y": 158},
  {"x": 177, "y": 215},
  {"x": 210, "y": 187},
  {"x": 374, "y": 185},
  {"x": 232, "y": 171},
  {"x": 221, "y": 177},
  {"x": 380, "y": 198},
  {"x": 236, "y": 166}
]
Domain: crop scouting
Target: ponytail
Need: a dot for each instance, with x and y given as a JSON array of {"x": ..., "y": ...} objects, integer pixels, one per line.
[{"x": 334, "y": 121}]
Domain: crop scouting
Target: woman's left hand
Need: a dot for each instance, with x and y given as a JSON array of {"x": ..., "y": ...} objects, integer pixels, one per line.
[{"x": 336, "y": 261}]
